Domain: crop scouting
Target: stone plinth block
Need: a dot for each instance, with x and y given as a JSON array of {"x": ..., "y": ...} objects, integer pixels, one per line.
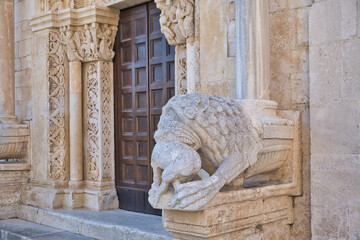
[{"x": 258, "y": 218}]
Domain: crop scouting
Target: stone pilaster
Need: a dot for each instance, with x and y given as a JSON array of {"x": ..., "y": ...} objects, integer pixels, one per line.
[
  {"x": 65, "y": 174},
  {"x": 98, "y": 127}
]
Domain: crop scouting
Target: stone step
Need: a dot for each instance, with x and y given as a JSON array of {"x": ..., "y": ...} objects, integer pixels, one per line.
[
  {"x": 18, "y": 229},
  {"x": 106, "y": 225}
]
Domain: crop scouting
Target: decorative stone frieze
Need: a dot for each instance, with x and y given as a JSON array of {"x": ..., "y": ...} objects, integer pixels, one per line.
[
  {"x": 99, "y": 126},
  {"x": 55, "y": 5},
  {"x": 89, "y": 42},
  {"x": 56, "y": 107}
]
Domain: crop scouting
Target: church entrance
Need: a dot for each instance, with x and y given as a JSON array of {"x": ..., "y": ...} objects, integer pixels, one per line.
[{"x": 144, "y": 80}]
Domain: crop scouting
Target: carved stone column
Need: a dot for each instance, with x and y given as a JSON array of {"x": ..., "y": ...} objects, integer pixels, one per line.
[
  {"x": 252, "y": 49},
  {"x": 70, "y": 107},
  {"x": 76, "y": 140}
]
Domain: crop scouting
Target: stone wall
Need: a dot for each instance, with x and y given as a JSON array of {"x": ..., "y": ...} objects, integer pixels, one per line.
[
  {"x": 335, "y": 114},
  {"x": 289, "y": 63},
  {"x": 289, "y": 86},
  {"x": 217, "y": 48},
  {"x": 24, "y": 46}
]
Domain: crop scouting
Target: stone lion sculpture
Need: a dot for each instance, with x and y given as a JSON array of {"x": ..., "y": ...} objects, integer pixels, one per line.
[{"x": 198, "y": 131}]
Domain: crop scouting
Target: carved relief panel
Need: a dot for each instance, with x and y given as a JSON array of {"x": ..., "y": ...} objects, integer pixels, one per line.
[
  {"x": 89, "y": 42},
  {"x": 57, "y": 95},
  {"x": 98, "y": 125}
]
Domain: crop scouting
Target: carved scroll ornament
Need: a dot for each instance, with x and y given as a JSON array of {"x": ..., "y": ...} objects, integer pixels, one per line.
[
  {"x": 182, "y": 82},
  {"x": 219, "y": 135},
  {"x": 93, "y": 122},
  {"x": 56, "y": 107},
  {"x": 99, "y": 122}
]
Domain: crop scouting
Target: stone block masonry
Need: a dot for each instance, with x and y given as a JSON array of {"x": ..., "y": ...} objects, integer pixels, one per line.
[{"x": 335, "y": 114}]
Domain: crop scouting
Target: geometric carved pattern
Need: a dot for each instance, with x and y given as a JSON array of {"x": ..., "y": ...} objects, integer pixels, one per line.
[{"x": 56, "y": 107}]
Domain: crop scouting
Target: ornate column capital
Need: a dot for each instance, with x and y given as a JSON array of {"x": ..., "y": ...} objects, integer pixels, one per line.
[
  {"x": 177, "y": 20},
  {"x": 90, "y": 42},
  {"x": 88, "y": 34}
]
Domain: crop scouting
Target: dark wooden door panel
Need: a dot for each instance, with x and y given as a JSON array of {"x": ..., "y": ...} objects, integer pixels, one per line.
[{"x": 143, "y": 83}]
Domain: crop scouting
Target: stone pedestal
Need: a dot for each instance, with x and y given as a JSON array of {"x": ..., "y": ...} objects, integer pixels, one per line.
[{"x": 254, "y": 218}]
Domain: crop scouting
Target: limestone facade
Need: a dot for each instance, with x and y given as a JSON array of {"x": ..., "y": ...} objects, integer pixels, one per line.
[{"x": 63, "y": 67}]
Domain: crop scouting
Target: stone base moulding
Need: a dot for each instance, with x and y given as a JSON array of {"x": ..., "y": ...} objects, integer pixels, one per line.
[
  {"x": 47, "y": 197},
  {"x": 13, "y": 176},
  {"x": 258, "y": 218}
]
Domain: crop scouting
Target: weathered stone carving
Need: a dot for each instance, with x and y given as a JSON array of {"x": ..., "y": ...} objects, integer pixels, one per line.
[
  {"x": 106, "y": 111},
  {"x": 218, "y": 135},
  {"x": 89, "y": 43},
  {"x": 56, "y": 107},
  {"x": 185, "y": 17},
  {"x": 12, "y": 149},
  {"x": 99, "y": 122},
  {"x": 169, "y": 22},
  {"x": 55, "y": 5},
  {"x": 73, "y": 45},
  {"x": 182, "y": 83},
  {"x": 93, "y": 131},
  {"x": 107, "y": 38}
]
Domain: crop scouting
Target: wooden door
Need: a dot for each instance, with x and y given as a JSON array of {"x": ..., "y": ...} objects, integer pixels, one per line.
[{"x": 144, "y": 80}]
